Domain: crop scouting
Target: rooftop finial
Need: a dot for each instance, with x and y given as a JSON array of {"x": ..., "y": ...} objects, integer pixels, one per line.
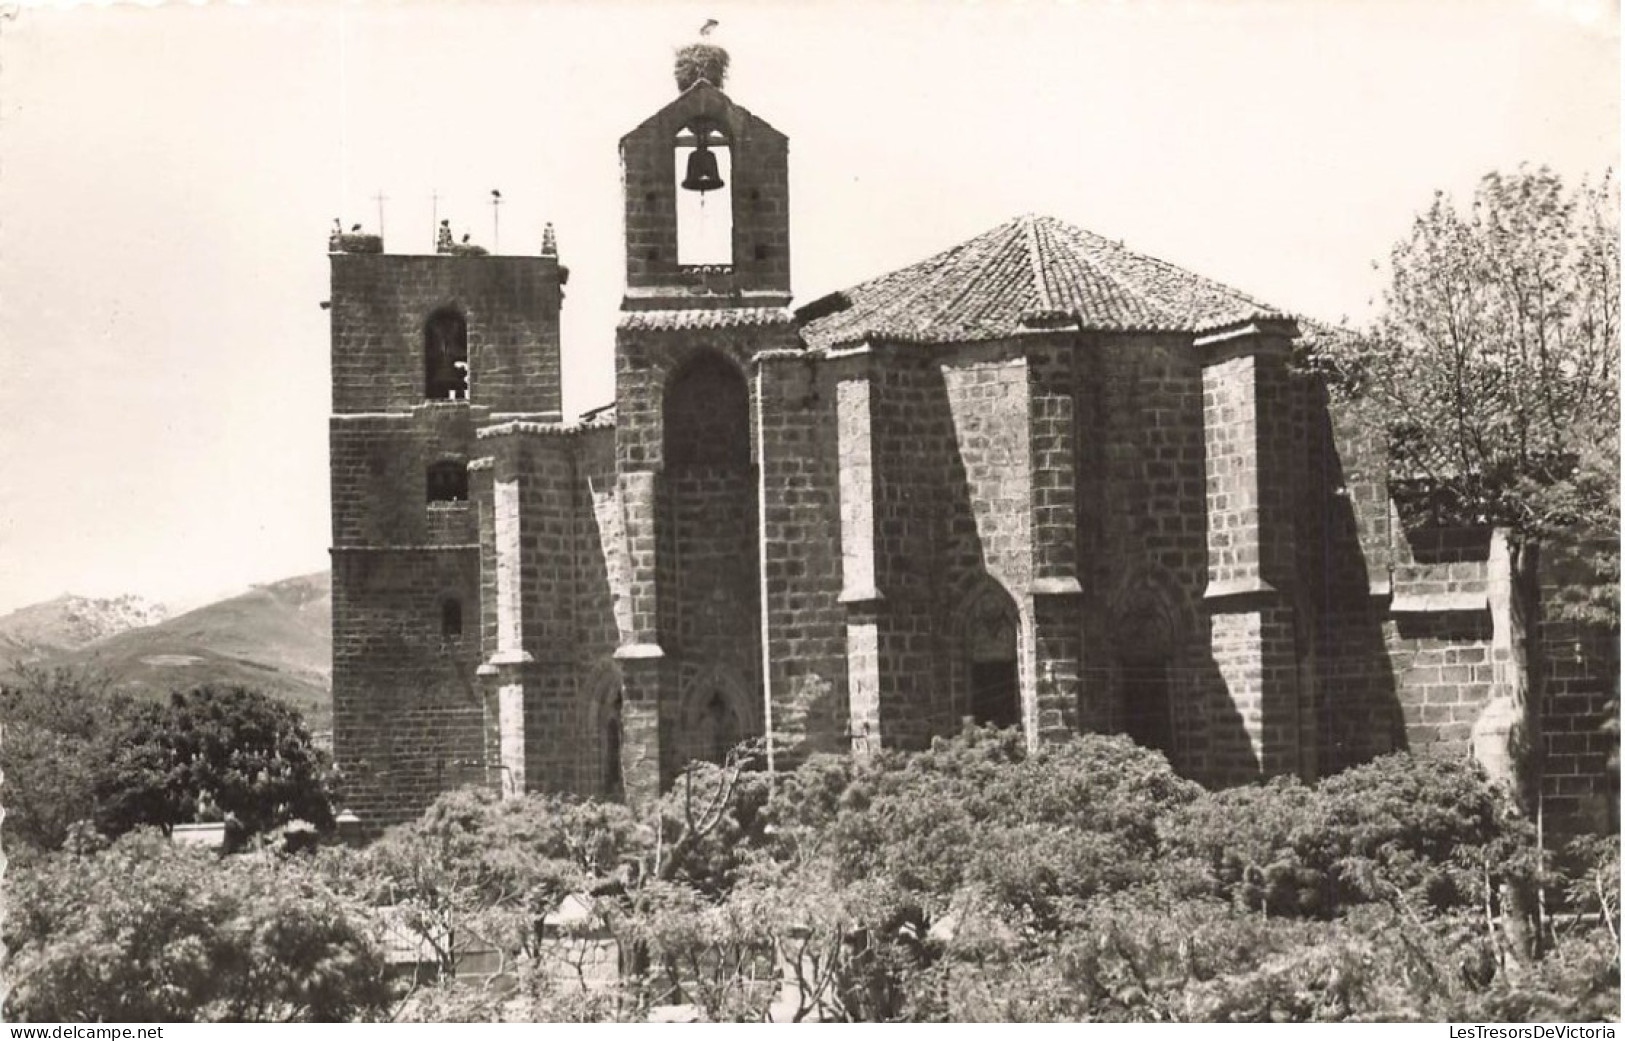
[
  {"x": 550, "y": 245},
  {"x": 701, "y": 60}
]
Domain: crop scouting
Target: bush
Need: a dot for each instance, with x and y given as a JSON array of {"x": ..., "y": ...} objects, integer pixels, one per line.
[
  {"x": 1426, "y": 832},
  {"x": 972, "y": 881},
  {"x": 148, "y": 932}
]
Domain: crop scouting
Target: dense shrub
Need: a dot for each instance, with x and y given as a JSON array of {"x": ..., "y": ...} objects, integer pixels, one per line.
[
  {"x": 146, "y": 931},
  {"x": 1427, "y": 832},
  {"x": 972, "y": 881}
]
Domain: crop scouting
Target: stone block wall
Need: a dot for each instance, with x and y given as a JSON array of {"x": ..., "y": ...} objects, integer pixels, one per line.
[
  {"x": 378, "y": 473},
  {"x": 381, "y": 302},
  {"x": 1404, "y": 637},
  {"x": 1440, "y": 634},
  {"x": 984, "y": 515},
  {"x": 690, "y": 497},
  {"x": 1579, "y": 691},
  {"x": 805, "y": 463},
  {"x": 1057, "y": 413},
  {"x": 547, "y": 696},
  {"x": 1407, "y": 655},
  {"x": 407, "y": 716},
  {"x": 1253, "y": 433},
  {"x": 602, "y": 605},
  {"x": 911, "y": 429},
  {"x": 1142, "y": 506},
  {"x": 710, "y": 627},
  {"x": 1345, "y": 570}
]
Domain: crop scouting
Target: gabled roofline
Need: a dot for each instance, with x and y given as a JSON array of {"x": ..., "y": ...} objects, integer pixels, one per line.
[{"x": 697, "y": 90}]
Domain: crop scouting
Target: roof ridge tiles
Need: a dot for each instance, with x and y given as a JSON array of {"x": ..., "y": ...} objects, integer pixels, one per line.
[
  {"x": 1150, "y": 305},
  {"x": 986, "y": 241},
  {"x": 1030, "y": 267}
]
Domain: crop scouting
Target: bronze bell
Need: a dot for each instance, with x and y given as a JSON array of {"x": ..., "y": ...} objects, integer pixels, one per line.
[{"x": 702, "y": 171}]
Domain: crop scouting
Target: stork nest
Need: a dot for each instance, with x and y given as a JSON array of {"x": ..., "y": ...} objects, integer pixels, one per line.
[
  {"x": 467, "y": 249},
  {"x": 355, "y": 242},
  {"x": 700, "y": 61}
]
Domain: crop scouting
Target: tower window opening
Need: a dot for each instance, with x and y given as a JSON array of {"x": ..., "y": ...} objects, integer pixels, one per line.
[
  {"x": 704, "y": 197},
  {"x": 448, "y": 481},
  {"x": 445, "y": 357},
  {"x": 451, "y": 618}
]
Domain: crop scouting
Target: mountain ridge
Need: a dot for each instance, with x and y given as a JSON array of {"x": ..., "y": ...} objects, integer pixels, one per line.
[{"x": 275, "y": 637}]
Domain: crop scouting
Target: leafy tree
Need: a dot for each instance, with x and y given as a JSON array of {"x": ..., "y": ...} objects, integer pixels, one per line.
[
  {"x": 480, "y": 871},
  {"x": 55, "y": 722},
  {"x": 1494, "y": 364},
  {"x": 212, "y": 753},
  {"x": 148, "y": 931}
]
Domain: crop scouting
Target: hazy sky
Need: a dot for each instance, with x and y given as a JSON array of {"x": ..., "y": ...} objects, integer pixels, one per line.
[{"x": 168, "y": 176}]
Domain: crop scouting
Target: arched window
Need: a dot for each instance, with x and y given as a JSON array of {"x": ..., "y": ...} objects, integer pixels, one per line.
[
  {"x": 707, "y": 414},
  {"x": 451, "y": 618},
  {"x": 447, "y": 481},
  {"x": 704, "y": 198},
  {"x": 992, "y": 660},
  {"x": 445, "y": 357}
]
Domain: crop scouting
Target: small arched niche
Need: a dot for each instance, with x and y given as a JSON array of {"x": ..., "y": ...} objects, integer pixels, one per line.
[
  {"x": 706, "y": 416},
  {"x": 445, "y": 356},
  {"x": 989, "y": 640}
]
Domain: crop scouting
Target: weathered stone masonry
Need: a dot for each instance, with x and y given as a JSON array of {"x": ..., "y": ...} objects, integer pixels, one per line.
[{"x": 1037, "y": 480}]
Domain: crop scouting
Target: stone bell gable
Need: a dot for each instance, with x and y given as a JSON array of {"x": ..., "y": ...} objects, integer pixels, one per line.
[{"x": 756, "y": 271}]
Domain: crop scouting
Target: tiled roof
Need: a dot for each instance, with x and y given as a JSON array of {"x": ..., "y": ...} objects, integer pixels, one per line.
[
  {"x": 705, "y": 318},
  {"x": 598, "y": 419},
  {"x": 1028, "y": 274}
]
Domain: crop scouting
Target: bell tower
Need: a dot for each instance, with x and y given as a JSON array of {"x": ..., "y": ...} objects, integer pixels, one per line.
[
  {"x": 704, "y": 160},
  {"x": 707, "y": 295}
]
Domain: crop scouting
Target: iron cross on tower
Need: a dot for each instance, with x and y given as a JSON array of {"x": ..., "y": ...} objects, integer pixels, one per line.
[{"x": 380, "y": 198}]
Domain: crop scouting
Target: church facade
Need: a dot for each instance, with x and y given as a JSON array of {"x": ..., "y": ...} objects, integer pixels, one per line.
[{"x": 1038, "y": 480}]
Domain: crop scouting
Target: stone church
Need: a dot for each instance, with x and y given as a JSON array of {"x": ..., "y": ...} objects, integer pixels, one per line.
[{"x": 1037, "y": 480}]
